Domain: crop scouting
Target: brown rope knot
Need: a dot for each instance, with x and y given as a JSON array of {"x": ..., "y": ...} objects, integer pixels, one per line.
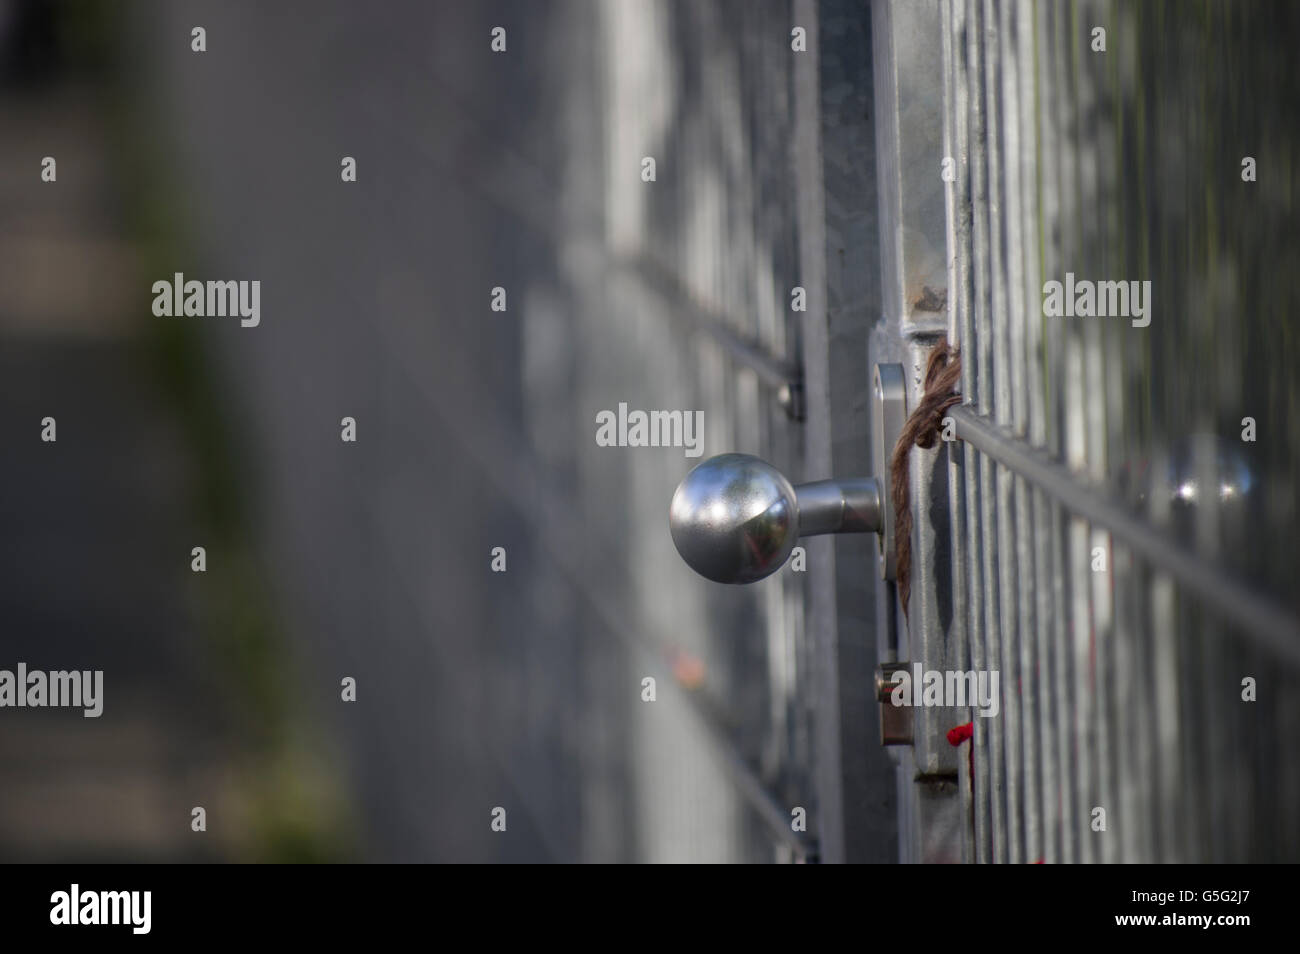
[{"x": 942, "y": 374}]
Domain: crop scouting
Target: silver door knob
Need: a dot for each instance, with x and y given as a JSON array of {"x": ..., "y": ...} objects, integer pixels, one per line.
[{"x": 735, "y": 518}]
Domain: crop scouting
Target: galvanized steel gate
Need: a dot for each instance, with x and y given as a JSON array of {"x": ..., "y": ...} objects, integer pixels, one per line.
[{"x": 1104, "y": 531}]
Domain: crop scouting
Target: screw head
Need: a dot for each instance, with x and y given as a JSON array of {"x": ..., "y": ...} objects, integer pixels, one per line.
[{"x": 734, "y": 519}]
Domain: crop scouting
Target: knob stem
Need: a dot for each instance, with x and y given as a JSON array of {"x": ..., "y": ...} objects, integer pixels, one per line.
[{"x": 839, "y": 506}]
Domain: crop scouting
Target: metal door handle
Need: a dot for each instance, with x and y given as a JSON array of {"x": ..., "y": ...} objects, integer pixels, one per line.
[{"x": 735, "y": 518}]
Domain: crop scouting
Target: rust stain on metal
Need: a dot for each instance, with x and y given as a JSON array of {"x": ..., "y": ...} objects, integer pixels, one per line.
[{"x": 931, "y": 300}]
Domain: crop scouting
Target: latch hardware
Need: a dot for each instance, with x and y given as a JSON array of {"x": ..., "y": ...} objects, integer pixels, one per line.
[{"x": 735, "y": 518}]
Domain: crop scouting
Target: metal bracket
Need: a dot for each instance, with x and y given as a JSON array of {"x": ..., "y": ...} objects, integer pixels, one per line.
[
  {"x": 888, "y": 413},
  {"x": 895, "y": 721}
]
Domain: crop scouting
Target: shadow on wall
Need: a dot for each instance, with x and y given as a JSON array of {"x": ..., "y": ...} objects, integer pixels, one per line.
[{"x": 129, "y": 550}]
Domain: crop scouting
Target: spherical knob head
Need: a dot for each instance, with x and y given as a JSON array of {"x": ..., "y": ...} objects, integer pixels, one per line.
[{"x": 734, "y": 519}]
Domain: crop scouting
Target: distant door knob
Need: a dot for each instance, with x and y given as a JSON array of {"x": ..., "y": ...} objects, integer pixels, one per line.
[{"x": 735, "y": 518}]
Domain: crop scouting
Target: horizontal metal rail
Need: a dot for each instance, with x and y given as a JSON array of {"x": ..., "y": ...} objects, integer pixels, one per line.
[
  {"x": 1271, "y": 626},
  {"x": 773, "y": 369},
  {"x": 521, "y": 200}
]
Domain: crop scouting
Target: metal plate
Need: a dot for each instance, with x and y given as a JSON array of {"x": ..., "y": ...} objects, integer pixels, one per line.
[{"x": 888, "y": 412}]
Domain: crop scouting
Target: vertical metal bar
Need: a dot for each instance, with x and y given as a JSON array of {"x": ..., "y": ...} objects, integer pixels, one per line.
[
  {"x": 1016, "y": 127},
  {"x": 1058, "y": 209},
  {"x": 956, "y": 146},
  {"x": 1093, "y": 594},
  {"x": 1074, "y": 398},
  {"x": 962, "y": 302},
  {"x": 1144, "y": 729},
  {"x": 1005, "y": 367},
  {"x": 1081, "y": 676},
  {"x": 1058, "y": 789},
  {"x": 1048, "y": 755},
  {"x": 1169, "y": 804},
  {"x": 1022, "y": 266},
  {"x": 979, "y": 655},
  {"x": 1027, "y": 51},
  {"x": 1063, "y": 691},
  {"x": 1103, "y": 675},
  {"x": 1195, "y": 730},
  {"x": 974, "y": 378},
  {"x": 1125, "y": 708},
  {"x": 957, "y": 516},
  {"x": 957, "y": 202},
  {"x": 985, "y": 358},
  {"x": 1247, "y": 786},
  {"x": 1209, "y": 726},
  {"x": 1152, "y": 833},
  {"x": 1038, "y": 153},
  {"x": 1183, "y": 650},
  {"x": 1122, "y": 633},
  {"x": 1218, "y": 720}
]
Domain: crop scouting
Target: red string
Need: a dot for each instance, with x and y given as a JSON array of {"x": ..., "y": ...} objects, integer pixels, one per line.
[
  {"x": 964, "y": 733},
  {"x": 960, "y": 734}
]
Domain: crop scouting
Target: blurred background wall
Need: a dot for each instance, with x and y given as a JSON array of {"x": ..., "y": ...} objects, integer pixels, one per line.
[{"x": 475, "y": 429}]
